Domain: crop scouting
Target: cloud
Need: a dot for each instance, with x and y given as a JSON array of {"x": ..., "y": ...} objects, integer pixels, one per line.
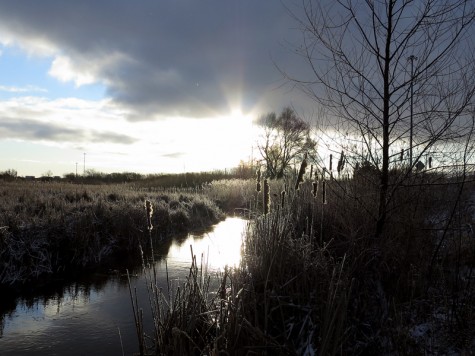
[
  {"x": 174, "y": 155},
  {"x": 40, "y": 131},
  {"x": 66, "y": 121},
  {"x": 63, "y": 69},
  {"x": 26, "y": 89},
  {"x": 33, "y": 130},
  {"x": 160, "y": 58},
  {"x": 111, "y": 137}
]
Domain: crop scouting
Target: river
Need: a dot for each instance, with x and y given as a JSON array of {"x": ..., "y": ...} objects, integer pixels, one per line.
[{"x": 94, "y": 316}]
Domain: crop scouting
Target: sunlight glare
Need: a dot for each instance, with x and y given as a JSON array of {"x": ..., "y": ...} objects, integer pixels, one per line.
[{"x": 220, "y": 247}]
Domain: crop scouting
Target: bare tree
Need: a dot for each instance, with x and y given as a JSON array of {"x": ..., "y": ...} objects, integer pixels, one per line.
[
  {"x": 9, "y": 174},
  {"x": 286, "y": 138},
  {"x": 396, "y": 74}
]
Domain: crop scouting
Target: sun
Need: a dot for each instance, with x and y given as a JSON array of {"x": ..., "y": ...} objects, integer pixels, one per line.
[
  {"x": 236, "y": 113},
  {"x": 241, "y": 123}
]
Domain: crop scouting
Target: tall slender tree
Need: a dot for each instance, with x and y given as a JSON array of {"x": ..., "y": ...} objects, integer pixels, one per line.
[{"x": 391, "y": 72}]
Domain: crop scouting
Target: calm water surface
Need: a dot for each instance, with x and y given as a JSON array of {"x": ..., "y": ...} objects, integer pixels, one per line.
[{"x": 94, "y": 317}]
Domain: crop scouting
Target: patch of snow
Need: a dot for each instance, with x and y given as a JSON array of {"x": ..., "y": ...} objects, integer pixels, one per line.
[{"x": 420, "y": 331}]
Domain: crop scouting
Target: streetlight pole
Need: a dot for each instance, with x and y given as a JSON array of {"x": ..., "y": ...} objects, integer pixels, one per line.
[{"x": 412, "y": 58}]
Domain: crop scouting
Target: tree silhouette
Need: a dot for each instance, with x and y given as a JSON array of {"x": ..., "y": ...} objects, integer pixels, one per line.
[
  {"x": 286, "y": 138},
  {"x": 390, "y": 73}
]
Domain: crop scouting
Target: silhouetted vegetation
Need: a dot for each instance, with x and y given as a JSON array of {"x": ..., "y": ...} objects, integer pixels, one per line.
[
  {"x": 315, "y": 280},
  {"x": 8, "y": 175},
  {"x": 58, "y": 228},
  {"x": 163, "y": 180},
  {"x": 389, "y": 89},
  {"x": 286, "y": 139}
]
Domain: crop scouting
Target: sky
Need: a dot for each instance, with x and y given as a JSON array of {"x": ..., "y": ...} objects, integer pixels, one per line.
[{"x": 143, "y": 86}]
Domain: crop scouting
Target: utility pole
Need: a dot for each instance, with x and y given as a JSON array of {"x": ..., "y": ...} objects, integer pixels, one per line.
[
  {"x": 76, "y": 169},
  {"x": 412, "y": 58},
  {"x": 84, "y": 173}
]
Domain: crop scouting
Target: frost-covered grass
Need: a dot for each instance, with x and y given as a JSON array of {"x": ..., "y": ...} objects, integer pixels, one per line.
[
  {"x": 51, "y": 228},
  {"x": 315, "y": 280}
]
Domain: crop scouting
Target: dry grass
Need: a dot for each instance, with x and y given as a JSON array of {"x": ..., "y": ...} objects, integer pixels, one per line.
[
  {"x": 313, "y": 278},
  {"x": 57, "y": 228}
]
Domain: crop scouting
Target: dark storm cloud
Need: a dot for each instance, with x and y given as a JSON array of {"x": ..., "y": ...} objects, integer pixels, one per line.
[
  {"x": 26, "y": 129},
  {"x": 30, "y": 129},
  {"x": 110, "y": 137},
  {"x": 175, "y": 57}
]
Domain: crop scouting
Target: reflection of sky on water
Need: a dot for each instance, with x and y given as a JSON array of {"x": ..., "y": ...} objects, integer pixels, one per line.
[
  {"x": 74, "y": 324},
  {"x": 85, "y": 318},
  {"x": 217, "y": 248}
]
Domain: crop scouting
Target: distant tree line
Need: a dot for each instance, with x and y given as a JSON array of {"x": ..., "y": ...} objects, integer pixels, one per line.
[
  {"x": 8, "y": 175},
  {"x": 244, "y": 170},
  {"x": 166, "y": 180}
]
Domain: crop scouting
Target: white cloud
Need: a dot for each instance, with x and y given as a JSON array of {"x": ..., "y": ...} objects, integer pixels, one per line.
[
  {"x": 26, "y": 89},
  {"x": 31, "y": 45},
  {"x": 66, "y": 122},
  {"x": 64, "y": 70}
]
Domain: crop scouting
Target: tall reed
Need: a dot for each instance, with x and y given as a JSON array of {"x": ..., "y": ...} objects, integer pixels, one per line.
[{"x": 312, "y": 281}]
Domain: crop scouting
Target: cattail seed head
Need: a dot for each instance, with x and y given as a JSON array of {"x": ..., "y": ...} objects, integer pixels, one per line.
[
  {"x": 266, "y": 197},
  {"x": 315, "y": 189},
  {"x": 341, "y": 162},
  {"x": 149, "y": 210},
  {"x": 282, "y": 199},
  {"x": 303, "y": 165},
  {"x": 258, "y": 181}
]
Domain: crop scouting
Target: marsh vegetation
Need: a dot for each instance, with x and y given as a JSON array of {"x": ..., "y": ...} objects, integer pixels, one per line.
[
  {"x": 313, "y": 275},
  {"x": 53, "y": 229},
  {"x": 315, "y": 279}
]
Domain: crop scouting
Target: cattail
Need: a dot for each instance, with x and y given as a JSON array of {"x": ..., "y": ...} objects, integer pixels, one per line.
[
  {"x": 149, "y": 209},
  {"x": 401, "y": 156},
  {"x": 315, "y": 189},
  {"x": 311, "y": 171},
  {"x": 282, "y": 199},
  {"x": 266, "y": 197},
  {"x": 258, "y": 181},
  {"x": 331, "y": 163},
  {"x": 430, "y": 162},
  {"x": 303, "y": 165},
  {"x": 341, "y": 163},
  {"x": 324, "y": 193}
]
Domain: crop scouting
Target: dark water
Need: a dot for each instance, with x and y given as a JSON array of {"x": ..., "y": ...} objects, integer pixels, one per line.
[{"x": 94, "y": 316}]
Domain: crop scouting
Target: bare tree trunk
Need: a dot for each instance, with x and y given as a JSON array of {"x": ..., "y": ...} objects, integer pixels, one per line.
[
  {"x": 358, "y": 53},
  {"x": 384, "y": 175}
]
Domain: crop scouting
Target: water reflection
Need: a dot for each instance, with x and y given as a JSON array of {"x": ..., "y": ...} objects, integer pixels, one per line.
[
  {"x": 94, "y": 316},
  {"x": 220, "y": 247}
]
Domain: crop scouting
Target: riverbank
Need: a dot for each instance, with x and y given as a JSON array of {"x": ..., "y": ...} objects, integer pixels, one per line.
[
  {"x": 50, "y": 230},
  {"x": 314, "y": 279},
  {"x": 92, "y": 314}
]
